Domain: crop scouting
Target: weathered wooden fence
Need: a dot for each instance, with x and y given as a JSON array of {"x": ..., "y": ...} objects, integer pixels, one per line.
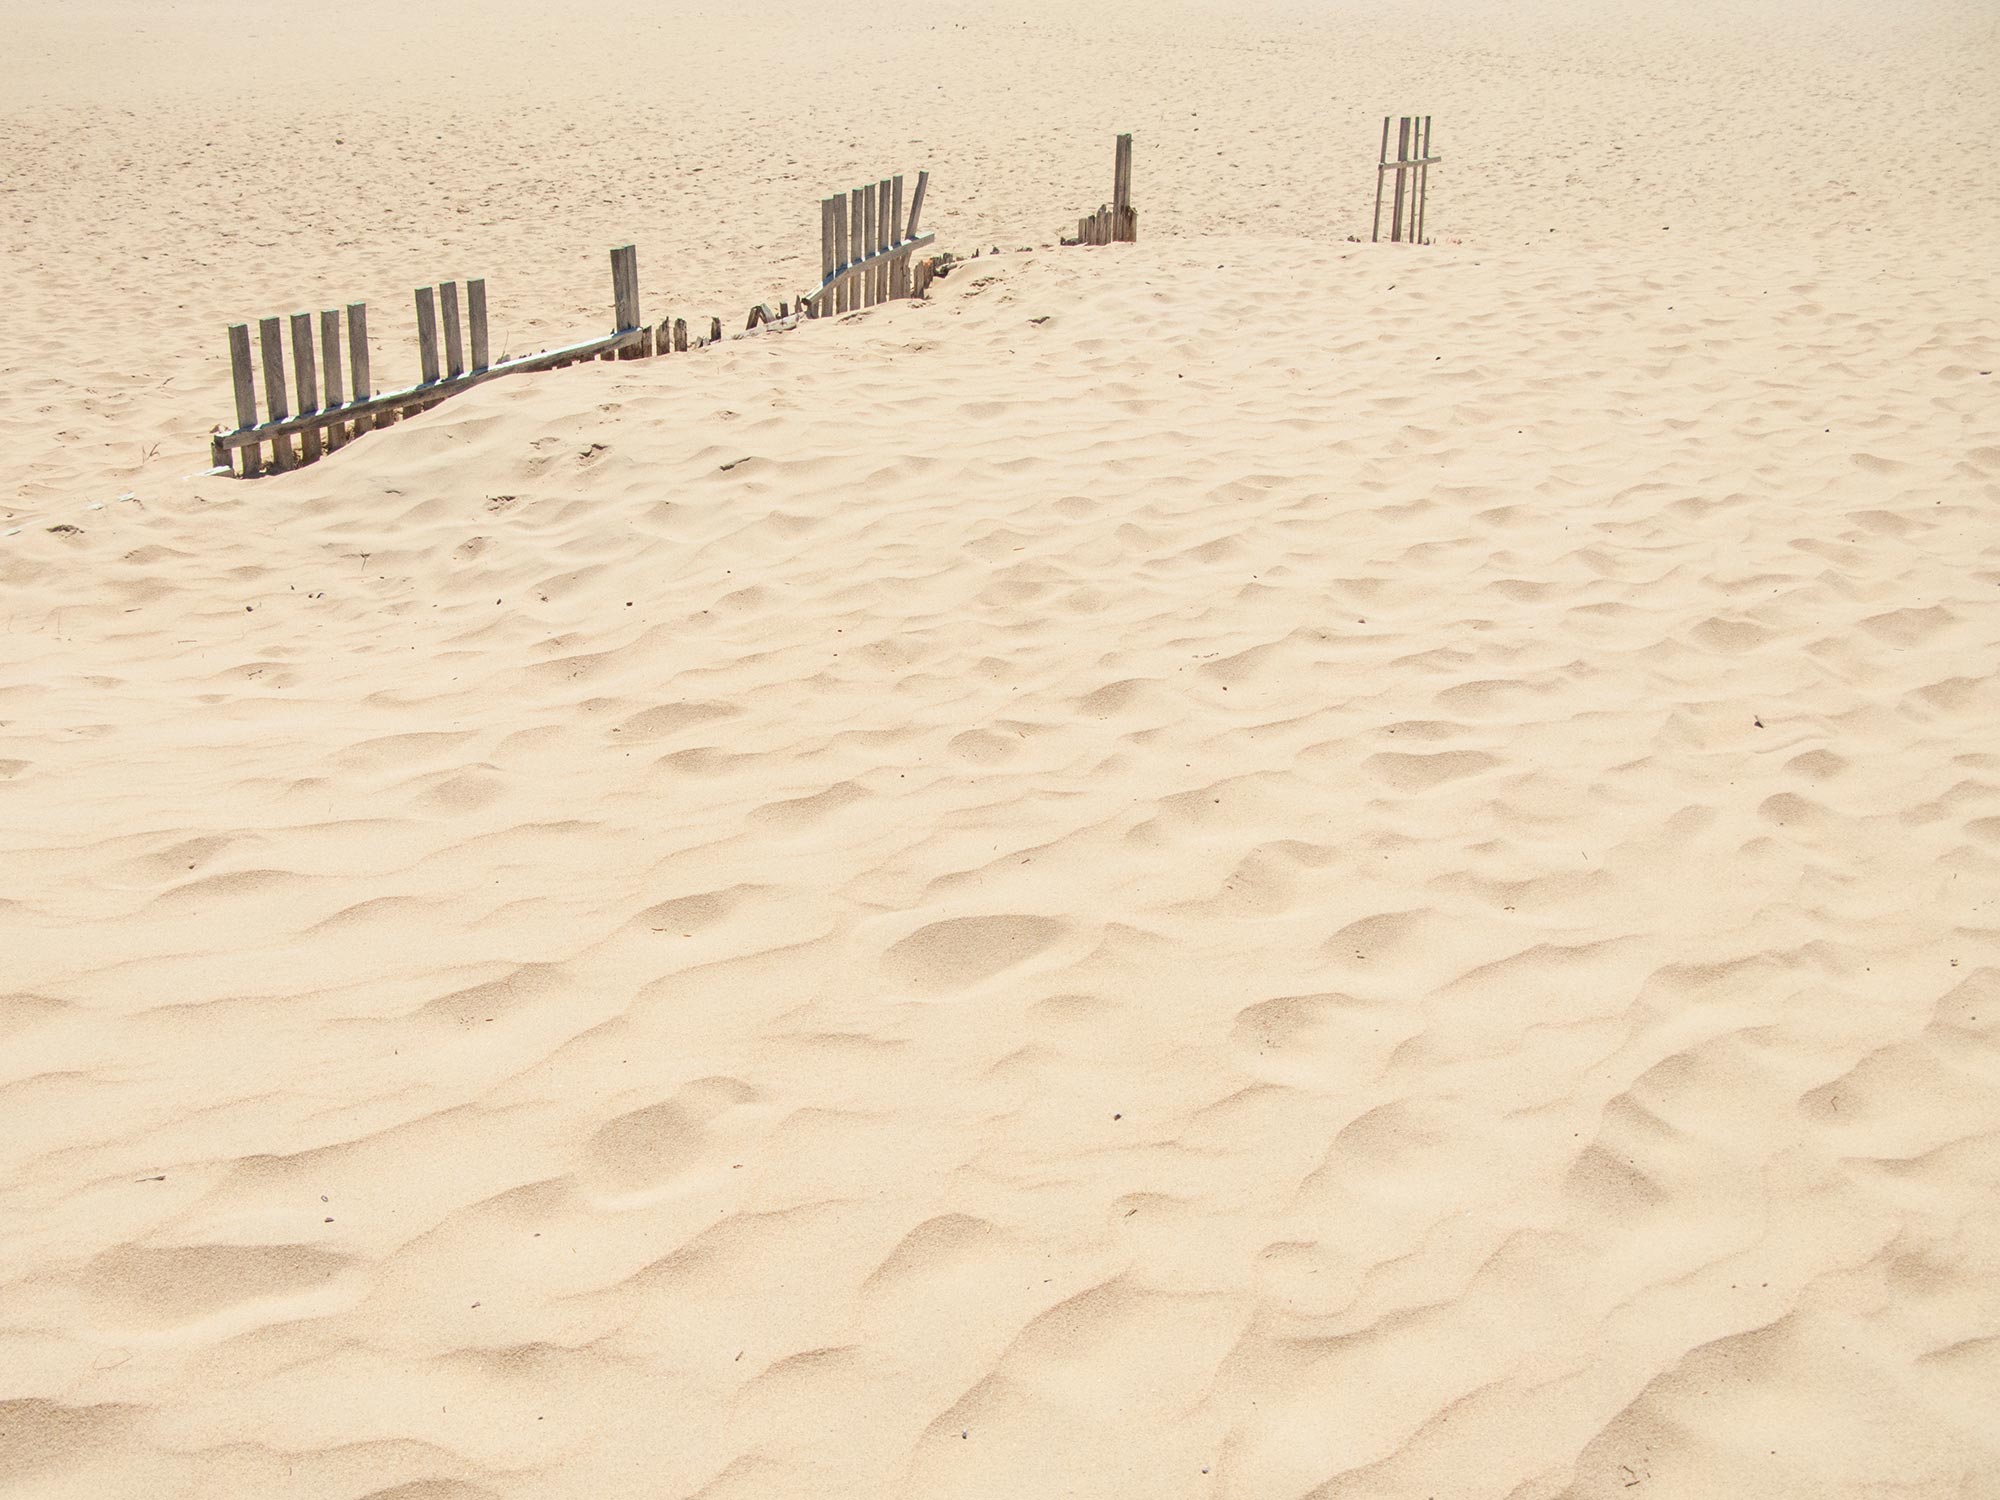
[
  {"x": 328, "y": 420},
  {"x": 1412, "y": 164},
  {"x": 1116, "y": 222},
  {"x": 865, "y": 247}
]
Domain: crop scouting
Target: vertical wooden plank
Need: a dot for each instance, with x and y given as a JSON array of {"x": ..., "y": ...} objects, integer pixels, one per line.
[
  {"x": 842, "y": 293},
  {"x": 329, "y": 358},
  {"x": 680, "y": 335},
  {"x": 271, "y": 341},
  {"x": 917, "y": 205},
  {"x": 870, "y": 213},
  {"x": 857, "y": 236},
  {"x": 1423, "y": 179},
  {"x": 302, "y": 368},
  {"x": 427, "y": 334},
  {"x": 881, "y": 239},
  {"x": 246, "y": 393},
  {"x": 1121, "y": 186},
  {"x": 1380, "y": 162},
  {"x": 1402, "y": 154},
  {"x": 357, "y": 363},
  {"x": 454, "y": 338},
  {"x": 899, "y": 268},
  {"x": 475, "y": 310},
  {"x": 824, "y": 304}
]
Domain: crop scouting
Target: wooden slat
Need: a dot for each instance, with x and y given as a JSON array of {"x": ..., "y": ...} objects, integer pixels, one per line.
[
  {"x": 857, "y": 244},
  {"x": 916, "y": 205},
  {"x": 357, "y": 361},
  {"x": 864, "y": 241},
  {"x": 475, "y": 312},
  {"x": 302, "y": 369},
  {"x": 625, "y": 287},
  {"x": 680, "y": 335},
  {"x": 246, "y": 393},
  {"x": 849, "y": 273},
  {"x": 422, "y": 397},
  {"x": 271, "y": 341},
  {"x": 1402, "y": 154},
  {"x": 1382, "y": 162},
  {"x": 885, "y": 236},
  {"x": 329, "y": 358},
  {"x": 842, "y": 294},
  {"x": 1121, "y": 185},
  {"x": 826, "y": 260},
  {"x": 1424, "y": 177},
  {"x": 427, "y": 335},
  {"x": 454, "y": 337},
  {"x": 899, "y": 267},
  {"x": 1411, "y": 165}
]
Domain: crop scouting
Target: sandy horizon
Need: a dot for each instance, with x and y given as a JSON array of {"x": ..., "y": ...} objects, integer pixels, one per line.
[{"x": 1243, "y": 866}]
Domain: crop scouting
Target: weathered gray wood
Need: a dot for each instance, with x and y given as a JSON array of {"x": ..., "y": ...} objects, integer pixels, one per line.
[
  {"x": 271, "y": 339},
  {"x": 246, "y": 394},
  {"x": 1381, "y": 165},
  {"x": 849, "y": 273},
  {"x": 329, "y": 358},
  {"x": 680, "y": 335},
  {"x": 427, "y": 336},
  {"x": 899, "y": 266},
  {"x": 842, "y": 294},
  {"x": 859, "y": 245},
  {"x": 420, "y": 397},
  {"x": 1121, "y": 185},
  {"x": 715, "y": 330},
  {"x": 1402, "y": 155},
  {"x": 1423, "y": 178},
  {"x": 826, "y": 255},
  {"x": 475, "y": 314},
  {"x": 917, "y": 205},
  {"x": 454, "y": 336},
  {"x": 625, "y": 286},
  {"x": 303, "y": 370},
  {"x": 357, "y": 362},
  {"x": 884, "y": 237},
  {"x": 920, "y": 283}
]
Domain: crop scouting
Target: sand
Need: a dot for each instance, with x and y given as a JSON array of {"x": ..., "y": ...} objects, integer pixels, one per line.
[{"x": 1244, "y": 866}]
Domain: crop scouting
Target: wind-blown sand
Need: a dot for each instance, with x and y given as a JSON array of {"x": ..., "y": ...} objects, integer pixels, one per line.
[{"x": 1245, "y": 866}]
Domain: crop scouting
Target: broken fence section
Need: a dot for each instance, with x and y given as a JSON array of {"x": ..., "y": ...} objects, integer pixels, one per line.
[
  {"x": 1412, "y": 165},
  {"x": 865, "y": 248},
  {"x": 1116, "y": 222}
]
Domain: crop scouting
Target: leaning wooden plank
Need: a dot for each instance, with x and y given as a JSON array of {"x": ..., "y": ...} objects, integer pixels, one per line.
[
  {"x": 454, "y": 337},
  {"x": 329, "y": 352},
  {"x": 1423, "y": 177},
  {"x": 826, "y": 255},
  {"x": 246, "y": 394},
  {"x": 899, "y": 266},
  {"x": 916, "y": 205},
  {"x": 1121, "y": 185},
  {"x": 427, "y": 336},
  {"x": 357, "y": 362},
  {"x": 302, "y": 367},
  {"x": 849, "y": 273},
  {"x": 271, "y": 341},
  {"x": 422, "y": 397},
  {"x": 1382, "y": 163}
]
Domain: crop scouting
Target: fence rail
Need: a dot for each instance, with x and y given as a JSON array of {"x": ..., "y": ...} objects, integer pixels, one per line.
[{"x": 865, "y": 247}]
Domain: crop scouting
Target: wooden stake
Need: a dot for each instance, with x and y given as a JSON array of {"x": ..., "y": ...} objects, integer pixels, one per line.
[
  {"x": 475, "y": 311},
  {"x": 899, "y": 268},
  {"x": 246, "y": 393},
  {"x": 843, "y": 294},
  {"x": 271, "y": 339},
  {"x": 329, "y": 352},
  {"x": 917, "y": 205},
  {"x": 454, "y": 334},
  {"x": 302, "y": 367},
  {"x": 857, "y": 237},
  {"x": 680, "y": 335},
  {"x": 715, "y": 330},
  {"x": 826, "y": 259},
  {"x": 1121, "y": 186},
  {"x": 884, "y": 234},
  {"x": 357, "y": 362},
  {"x": 427, "y": 334},
  {"x": 1423, "y": 178},
  {"x": 1402, "y": 154},
  {"x": 1380, "y": 162},
  {"x": 867, "y": 218}
]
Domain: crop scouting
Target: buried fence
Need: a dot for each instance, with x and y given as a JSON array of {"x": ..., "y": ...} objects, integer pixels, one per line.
[
  {"x": 1116, "y": 222},
  {"x": 1412, "y": 166},
  {"x": 865, "y": 248}
]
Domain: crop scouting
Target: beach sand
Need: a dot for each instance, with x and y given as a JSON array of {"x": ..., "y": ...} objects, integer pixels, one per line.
[{"x": 1243, "y": 866}]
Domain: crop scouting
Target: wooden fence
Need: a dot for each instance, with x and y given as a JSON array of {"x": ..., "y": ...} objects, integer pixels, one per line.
[
  {"x": 1412, "y": 166},
  {"x": 1116, "y": 222},
  {"x": 865, "y": 247},
  {"x": 345, "y": 413}
]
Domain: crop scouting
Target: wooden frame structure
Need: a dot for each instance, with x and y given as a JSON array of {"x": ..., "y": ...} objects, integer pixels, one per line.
[
  {"x": 1412, "y": 166},
  {"x": 345, "y": 414},
  {"x": 865, "y": 247},
  {"x": 1116, "y": 222}
]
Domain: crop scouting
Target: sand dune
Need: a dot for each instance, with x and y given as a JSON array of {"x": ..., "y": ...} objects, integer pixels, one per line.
[{"x": 1240, "y": 866}]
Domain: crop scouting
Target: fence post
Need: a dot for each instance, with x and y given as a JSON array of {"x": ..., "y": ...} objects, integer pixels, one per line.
[
  {"x": 427, "y": 334},
  {"x": 454, "y": 340},
  {"x": 899, "y": 268},
  {"x": 329, "y": 349},
  {"x": 1121, "y": 189},
  {"x": 302, "y": 364},
  {"x": 857, "y": 231},
  {"x": 271, "y": 341},
  {"x": 823, "y": 304},
  {"x": 1423, "y": 178},
  {"x": 1381, "y": 161},
  {"x": 246, "y": 394},
  {"x": 357, "y": 364},
  {"x": 475, "y": 309}
]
